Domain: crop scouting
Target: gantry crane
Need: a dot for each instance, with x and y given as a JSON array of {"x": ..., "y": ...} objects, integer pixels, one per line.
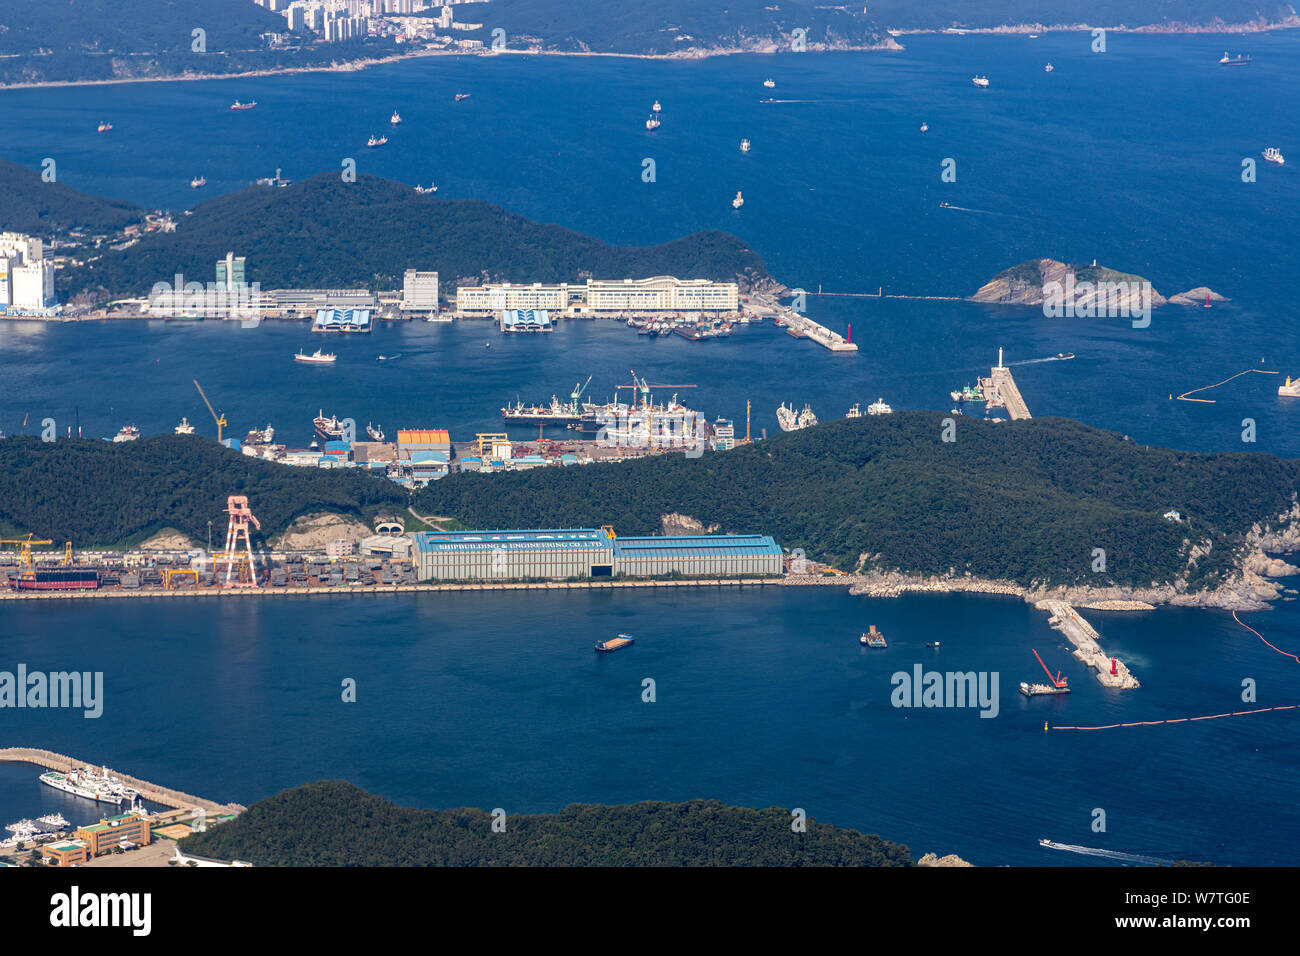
[
  {"x": 25, "y": 549},
  {"x": 219, "y": 419}
]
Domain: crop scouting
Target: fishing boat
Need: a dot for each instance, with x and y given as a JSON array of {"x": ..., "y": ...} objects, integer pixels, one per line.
[
  {"x": 395, "y": 119},
  {"x": 425, "y": 190},
  {"x": 462, "y": 96},
  {"x": 315, "y": 358},
  {"x": 374, "y": 432},
  {"x": 925, "y": 127},
  {"x": 744, "y": 146},
  {"x": 104, "y": 127},
  {"x": 243, "y": 106},
  {"x": 855, "y": 411},
  {"x": 1049, "y": 68},
  {"x": 770, "y": 83},
  {"x": 656, "y": 107},
  {"x": 617, "y": 644},
  {"x": 652, "y": 123},
  {"x": 1274, "y": 155},
  {"x": 184, "y": 428},
  {"x": 198, "y": 182},
  {"x": 738, "y": 201},
  {"x": 376, "y": 141},
  {"x": 980, "y": 81}
]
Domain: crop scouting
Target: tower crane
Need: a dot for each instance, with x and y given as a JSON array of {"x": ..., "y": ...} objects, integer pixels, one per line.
[
  {"x": 219, "y": 419},
  {"x": 577, "y": 394}
]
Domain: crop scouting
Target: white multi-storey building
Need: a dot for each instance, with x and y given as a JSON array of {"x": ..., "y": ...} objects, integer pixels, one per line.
[
  {"x": 662, "y": 294},
  {"x": 502, "y": 296},
  {"x": 26, "y": 276},
  {"x": 419, "y": 291}
]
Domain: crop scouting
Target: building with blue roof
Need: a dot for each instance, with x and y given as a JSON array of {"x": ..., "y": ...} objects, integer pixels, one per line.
[
  {"x": 526, "y": 320},
  {"x": 563, "y": 553},
  {"x": 342, "y": 320}
]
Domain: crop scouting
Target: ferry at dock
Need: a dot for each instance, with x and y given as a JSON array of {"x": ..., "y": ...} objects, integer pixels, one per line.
[
  {"x": 100, "y": 786},
  {"x": 617, "y": 644}
]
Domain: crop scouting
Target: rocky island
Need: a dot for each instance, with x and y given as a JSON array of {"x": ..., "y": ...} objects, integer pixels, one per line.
[{"x": 1036, "y": 281}]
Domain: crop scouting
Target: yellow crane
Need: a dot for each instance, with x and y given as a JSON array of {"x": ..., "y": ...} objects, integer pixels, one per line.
[
  {"x": 219, "y": 419},
  {"x": 25, "y": 549}
]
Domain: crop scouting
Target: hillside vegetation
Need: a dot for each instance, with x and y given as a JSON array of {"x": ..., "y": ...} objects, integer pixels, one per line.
[
  {"x": 337, "y": 824},
  {"x": 34, "y": 206},
  {"x": 323, "y": 232},
  {"x": 1024, "y": 501}
]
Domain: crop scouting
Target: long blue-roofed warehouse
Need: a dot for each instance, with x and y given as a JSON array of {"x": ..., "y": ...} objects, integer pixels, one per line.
[{"x": 562, "y": 554}]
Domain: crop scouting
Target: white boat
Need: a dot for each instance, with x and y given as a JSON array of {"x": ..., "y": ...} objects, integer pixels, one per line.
[
  {"x": 744, "y": 146},
  {"x": 184, "y": 428},
  {"x": 316, "y": 358},
  {"x": 375, "y": 434},
  {"x": 99, "y": 785},
  {"x": 424, "y": 190},
  {"x": 1274, "y": 155},
  {"x": 104, "y": 127},
  {"x": 806, "y": 418},
  {"x": 925, "y": 127},
  {"x": 462, "y": 96},
  {"x": 652, "y": 123},
  {"x": 855, "y": 411},
  {"x": 878, "y": 407},
  {"x": 198, "y": 182},
  {"x": 738, "y": 201},
  {"x": 395, "y": 119},
  {"x": 376, "y": 141},
  {"x": 770, "y": 83},
  {"x": 55, "y": 820},
  {"x": 1291, "y": 389},
  {"x": 981, "y": 81},
  {"x": 656, "y": 108},
  {"x": 1049, "y": 68},
  {"x": 1238, "y": 60},
  {"x": 128, "y": 433}
]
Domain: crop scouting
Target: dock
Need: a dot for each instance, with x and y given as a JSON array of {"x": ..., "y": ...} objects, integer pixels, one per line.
[
  {"x": 1087, "y": 645},
  {"x": 149, "y": 791},
  {"x": 1000, "y": 391},
  {"x": 802, "y": 327}
]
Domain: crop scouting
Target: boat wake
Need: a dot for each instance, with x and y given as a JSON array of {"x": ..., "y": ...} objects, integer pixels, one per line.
[
  {"x": 1108, "y": 854},
  {"x": 1050, "y": 358}
]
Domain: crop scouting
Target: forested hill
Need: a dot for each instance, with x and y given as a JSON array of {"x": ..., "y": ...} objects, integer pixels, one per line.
[
  {"x": 324, "y": 232},
  {"x": 337, "y": 824},
  {"x": 42, "y": 208},
  {"x": 1024, "y": 501}
]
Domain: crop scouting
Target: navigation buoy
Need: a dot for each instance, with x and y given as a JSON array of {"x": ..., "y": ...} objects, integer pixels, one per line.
[{"x": 1044, "y": 726}]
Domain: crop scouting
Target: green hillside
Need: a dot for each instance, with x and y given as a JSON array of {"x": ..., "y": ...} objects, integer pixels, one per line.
[{"x": 43, "y": 209}]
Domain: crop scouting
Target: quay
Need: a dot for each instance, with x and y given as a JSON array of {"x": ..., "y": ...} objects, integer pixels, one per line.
[
  {"x": 1087, "y": 644},
  {"x": 800, "y": 326},
  {"x": 1000, "y": 391},
  {"x": 149, "y": 791}
]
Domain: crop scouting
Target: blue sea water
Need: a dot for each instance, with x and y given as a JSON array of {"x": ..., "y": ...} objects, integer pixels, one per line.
[{"x": 1132, "y": 157}]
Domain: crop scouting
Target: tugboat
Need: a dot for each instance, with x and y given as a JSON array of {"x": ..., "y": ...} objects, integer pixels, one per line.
[
  {"x": 617, "y": 644},
  {"x": 738, "y": 201}
]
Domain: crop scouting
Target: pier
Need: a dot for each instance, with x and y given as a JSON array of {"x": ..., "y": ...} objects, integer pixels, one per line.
[
  {"x": 1000, "y": 391},
  {"x": 802, "y": 327},
  {"x": 149, "y": 791},
  {"x": 1087, "y": 645}
]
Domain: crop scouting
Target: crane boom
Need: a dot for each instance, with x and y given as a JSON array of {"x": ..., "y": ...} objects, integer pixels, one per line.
[{"x": 219, "y": 419}]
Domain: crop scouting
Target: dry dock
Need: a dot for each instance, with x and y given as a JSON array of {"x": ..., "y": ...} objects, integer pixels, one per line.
[
  {"x": 149, "y": 791},
  {"x": 1087, "y": 645}
]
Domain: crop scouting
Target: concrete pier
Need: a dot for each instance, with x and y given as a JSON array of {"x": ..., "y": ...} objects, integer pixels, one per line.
[
  {"x": 805, "y": 328},
  {"x": 1000, "y": 391},
  {"x": 149, "y": 791},
  {"x": 1087, "y": 644}
]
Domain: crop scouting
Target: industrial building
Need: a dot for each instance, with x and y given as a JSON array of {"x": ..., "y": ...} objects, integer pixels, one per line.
[
  {"x": 560, "y": 554},
  {"x": 419, "y": 291},
  {"x": 26, "y": 276},
  {"x": 342, "y": 320},
  {"x": 526, "y": 320}
]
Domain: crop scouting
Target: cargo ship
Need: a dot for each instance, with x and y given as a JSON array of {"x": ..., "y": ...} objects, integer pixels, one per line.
[
  {"x": 329, "y": 429},
  {"x": 556, "y": 413},
  {"x": 56, "y": 579},
  {"x": 101, "y": 787},
  {"x": 617, "y": 644},
  {"x": 878, "y": 407},
  {"x": 1238, "y": 60},
  {"x": 127, "y": 433}
]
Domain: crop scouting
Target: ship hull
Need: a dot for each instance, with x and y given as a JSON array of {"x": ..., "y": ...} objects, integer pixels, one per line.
[
  {"x": 57, "y": 581},
  {"x": 117, "y": 799}
]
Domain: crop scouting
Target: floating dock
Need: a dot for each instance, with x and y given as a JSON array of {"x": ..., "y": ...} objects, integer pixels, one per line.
[
  {"x": 1111, "y": 672},
  {"x": 1000, "y": 391}
]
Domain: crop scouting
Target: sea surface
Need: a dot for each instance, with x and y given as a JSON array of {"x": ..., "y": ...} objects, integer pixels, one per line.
[{"x": 1132, "y": 157}]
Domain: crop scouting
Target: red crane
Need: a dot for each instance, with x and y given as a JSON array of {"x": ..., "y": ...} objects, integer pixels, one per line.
[
  {"x": 1058, "y": 680},
  {"x": 241, "y": 516}
]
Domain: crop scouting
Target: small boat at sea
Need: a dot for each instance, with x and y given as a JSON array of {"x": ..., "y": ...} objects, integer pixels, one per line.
[
  {"x": 744, "y": 146},
  {"x": 652, "y": 123},
  {"x": 738, "y": 201},
  {"x": 616, "y": 644},
  {"x": 184, "y": 428},
  {"x": 925, "y": 127},
  {"x": 656, "y": 107},
  {"x": 770, "y": 83},
  {"x": 315, "y": 358},
  {"x": 104, "y": 127},
  {"x": 1049, "y": 68},
  {"x": 198, "y": 182},
  {"x": 395, "y": 119},
  {"x": 243, "y": 106},
  {"x": 462, "y": 96},
  {"x": 945, "y": 205},
  {"x": 1238, "y": 60},
  {"x": 376, "y": 141},
  {"x": 1274, "y": 155},
  {"x": 980, "y": 81},
  {"x": 1064, "y": 355}
]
